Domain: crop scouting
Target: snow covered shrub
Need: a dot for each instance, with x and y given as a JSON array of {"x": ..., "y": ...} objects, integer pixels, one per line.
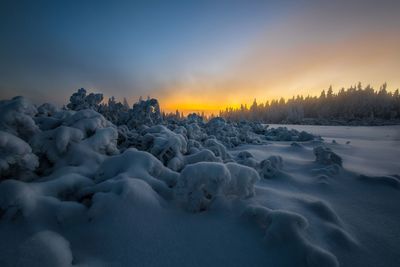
[
  {"x": 114, "y": 111},
  {"x": 304, "y": 136},
  {"x": 193, "y": 146},
  {"x": 284, "y": 134},
  {"x": 279, "y": 134},
  {"x": 270, "y": 167},
  {"x": 218, "y": 149},
  {"x": 103, "y": 141},
  {"x": 166, "y": 145},
  {"x": 141, "y": 165},
  {"x": 204, "y": 155},
  {"x": 194, "y": 131},
  {"x": 54, "y": 143},
  {"x": 80, "y": 100},
  {"x": 324, "y": 155},
  {"x": 134, "y": 193},
  {"x": 47, "y": 110},
  {"x": 127, "y": 138},
  {"x": 47, "y": 203},
  {"x": 246, "y": 158},
  {"x": 247, "y": 135},
  {"x": 144, "y": 112},
  {"x": 225, "y": 132},
  {"x": 200, "y": 183},
  {"x": 193, "y": 117},
  {"x": 88, "y": 121},
  {"x": 16, "y": 199},
  {"x": 242, "y": 180},
  {"x": 16, "y": 117},
  {"x": 16, "y": 157}
]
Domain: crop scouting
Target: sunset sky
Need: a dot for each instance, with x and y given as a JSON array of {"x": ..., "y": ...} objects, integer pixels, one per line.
[{"x": 196, "y": 55}]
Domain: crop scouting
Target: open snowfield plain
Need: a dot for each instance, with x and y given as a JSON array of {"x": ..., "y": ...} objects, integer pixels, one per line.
[{"x": 96, "y": 186}]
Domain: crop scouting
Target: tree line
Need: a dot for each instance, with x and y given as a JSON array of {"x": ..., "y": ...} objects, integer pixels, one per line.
[{"x": 356, "y": 103}]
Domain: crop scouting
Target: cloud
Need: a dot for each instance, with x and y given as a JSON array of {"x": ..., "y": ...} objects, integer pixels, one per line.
[{"x": 300, "y": 54}]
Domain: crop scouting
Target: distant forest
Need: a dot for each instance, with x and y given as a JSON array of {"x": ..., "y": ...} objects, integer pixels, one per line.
[{"x": 355, "y": 105}]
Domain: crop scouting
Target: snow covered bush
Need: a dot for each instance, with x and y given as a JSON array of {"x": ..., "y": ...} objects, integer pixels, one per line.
[
  {"x": 128, "y": 138},
  {"x": 141, "y": 165},
  {"x": 47, "y": 110},
  {"x": 246, "y": 158},
  {"x": 83, "y": 139},
  {"x": 16, "y": 158},
  {"x": 270, "y": 167},
  {"x": 16, "y": 117},
  {"x": 144, "y": 112},
  {"x": 80, "y": 100},
  {"x": 218, "y": 149},
  {"x": 242, "y": 180},
  {"x": 166, "y": 145},
  {"x": 225, "y": 132},
  {"x": 195, "y": 131},
  {"x": 88, "y": 121},
  {"x": 200, "y": 183},
  {"x": 205, "y": 155},
  {"x": 132, "y": 193},
  {"x": 54, "y": 143},
  {"x": 284, "y": 134},
  {"x": 324, "y": 155}
]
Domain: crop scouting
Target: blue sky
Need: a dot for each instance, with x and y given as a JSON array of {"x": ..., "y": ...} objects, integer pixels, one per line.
[{"x": 178, "y": 49}]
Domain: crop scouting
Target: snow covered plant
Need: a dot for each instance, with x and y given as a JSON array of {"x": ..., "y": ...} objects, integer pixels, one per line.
[
  {"x": 119, "y": 176},
  {"x": 324, "y": 155},
  {"x": 16, "y": 117},
  {"x": 201, "y": 183},
  {"x": 16, "y": 158}
]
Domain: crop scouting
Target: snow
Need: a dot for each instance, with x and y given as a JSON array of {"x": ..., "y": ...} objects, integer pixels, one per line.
[
  {"x": 109, "y": 185},
  {"x": 16, "y": 157}
]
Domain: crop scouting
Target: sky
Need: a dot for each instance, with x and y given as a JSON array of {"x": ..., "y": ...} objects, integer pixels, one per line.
[{"x": 196, "y": 55}]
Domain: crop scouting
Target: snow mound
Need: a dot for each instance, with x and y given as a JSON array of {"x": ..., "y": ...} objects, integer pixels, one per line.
[
  {"x": 16, "y": 158},
  {"x": 45, "y": 249},
  {"x": 284, "y": 227},
  {"x": 391, "y": 181}
]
